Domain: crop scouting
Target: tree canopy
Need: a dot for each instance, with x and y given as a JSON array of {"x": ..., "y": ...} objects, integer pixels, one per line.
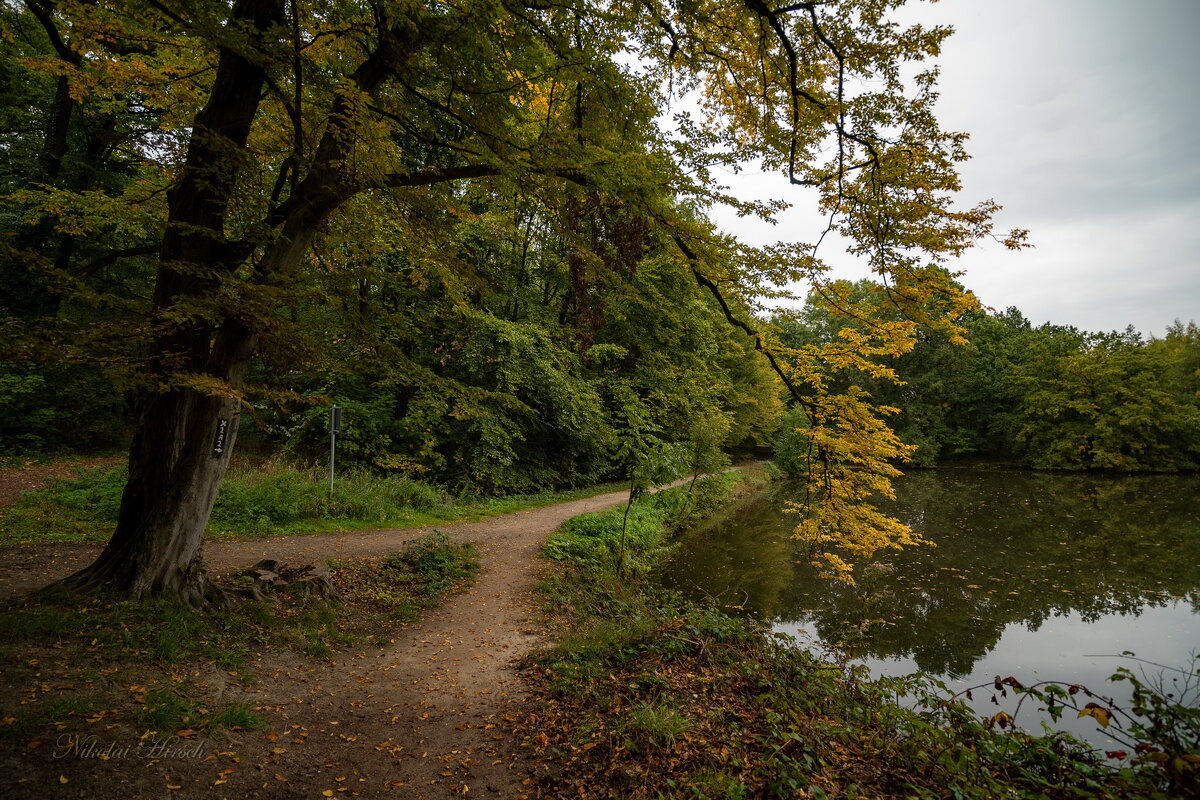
[{"x": 474, "y": 221}]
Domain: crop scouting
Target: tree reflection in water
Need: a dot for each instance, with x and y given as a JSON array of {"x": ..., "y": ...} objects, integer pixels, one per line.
[{"x": 1013, "y": 549}]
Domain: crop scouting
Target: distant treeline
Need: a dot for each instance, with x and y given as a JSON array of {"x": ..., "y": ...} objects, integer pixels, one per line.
[{"x": 1047, "y": 397}]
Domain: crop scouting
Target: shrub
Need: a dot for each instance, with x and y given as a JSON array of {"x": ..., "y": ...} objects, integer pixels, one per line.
[
  {"x": 593, "y": 539},
  {"x": 278, "y": 494},
  {"x": 438, "y": 562}
]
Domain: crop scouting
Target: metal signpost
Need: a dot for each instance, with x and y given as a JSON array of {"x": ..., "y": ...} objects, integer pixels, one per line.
[{"x": 335, "y": 427}]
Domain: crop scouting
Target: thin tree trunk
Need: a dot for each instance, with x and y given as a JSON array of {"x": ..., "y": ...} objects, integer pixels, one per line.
[
  {"x": 54, "y": 146},
  {"x": 625, "y": 526},
  {"x": 689, "y": 500}
]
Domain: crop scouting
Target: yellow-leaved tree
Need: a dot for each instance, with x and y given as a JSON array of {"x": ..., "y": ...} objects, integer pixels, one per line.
[{"x": 255, "y": 132}]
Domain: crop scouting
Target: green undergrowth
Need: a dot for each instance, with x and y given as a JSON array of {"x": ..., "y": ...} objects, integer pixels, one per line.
[
  {"x": 261, "y": 500},
  {"x": 594, "y": 540},
  {"x": 647, "y": 696},
  {"x": 99, "y": 662}
]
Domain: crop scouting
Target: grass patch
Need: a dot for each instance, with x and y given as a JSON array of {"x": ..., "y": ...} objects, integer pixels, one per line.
[
  {"x": 592, "y": 541},
  {"x": 260, "y": 500},
  {"x": 167, "y": 709},
  {"x": 238, "y": 716},
  {"x": 651, "y": 726},
  {"x": 157, "y": 665},
  {"x": 645, "y": 696}
]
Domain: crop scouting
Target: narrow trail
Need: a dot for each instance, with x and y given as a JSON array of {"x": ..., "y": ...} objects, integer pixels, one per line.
[
  {"x": 435, "y": 709},
  {"x": 25, "y": 568},
  {"x": 428, "y": 716}
]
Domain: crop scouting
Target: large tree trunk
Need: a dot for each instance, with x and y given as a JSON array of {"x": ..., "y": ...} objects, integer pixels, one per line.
[
  {"x": 189, "y": 417},
  {"x": 176, "y": 464},
  {"x": 187, "y": 426}
]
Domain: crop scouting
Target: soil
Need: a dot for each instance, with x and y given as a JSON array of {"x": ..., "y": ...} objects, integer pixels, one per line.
[{"x": 440, "y": 712}]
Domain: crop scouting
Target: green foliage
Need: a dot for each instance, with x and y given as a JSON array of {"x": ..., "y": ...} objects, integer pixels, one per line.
[
  {"x": 1110, "y": 404},
  {"x": 1161, "y": 731},
  {"x": 500, "y": 396},
  {"x": 791, "y": 446},
  {"x": 594, "y": 541},
  {"x": 436, "y": 563},
  {"x": 1049, "y": 397},
  {"x": 23, "y": 409},
  {"x": 276, "y": 494},
  {"x": 47, "y": 409},
  {"x": 1163, "y": 727},
  {"x": 649, "y": 725},
  {"x": 94, "y": 492}
]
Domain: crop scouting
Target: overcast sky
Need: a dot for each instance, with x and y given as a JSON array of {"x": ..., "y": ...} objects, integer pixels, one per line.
[{"x": 1084, "y": 118}]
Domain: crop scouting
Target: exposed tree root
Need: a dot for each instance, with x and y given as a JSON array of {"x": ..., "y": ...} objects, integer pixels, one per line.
[
  {"x": 268, "y": 575},
  {"x": 195, "y": 590},
  {"x": 191, "y": 586}
]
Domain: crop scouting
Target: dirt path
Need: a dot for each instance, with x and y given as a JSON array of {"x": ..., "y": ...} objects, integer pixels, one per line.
[
  {"x": 25, "y": 568},
  {"x": 427, "y": 717}
]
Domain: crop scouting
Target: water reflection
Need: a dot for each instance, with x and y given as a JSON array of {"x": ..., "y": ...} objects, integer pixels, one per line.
[{"x": 1014, "y": 550}]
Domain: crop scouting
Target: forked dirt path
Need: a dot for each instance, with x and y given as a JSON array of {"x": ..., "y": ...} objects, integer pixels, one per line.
[
  {"x": 428, "y": 716},
  {"x": 25, "y": 568}
]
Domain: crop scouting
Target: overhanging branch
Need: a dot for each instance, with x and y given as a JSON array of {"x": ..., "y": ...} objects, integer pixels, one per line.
[
  {"x": 111, "y": 258},
  {"x": 706, "y": 282}
]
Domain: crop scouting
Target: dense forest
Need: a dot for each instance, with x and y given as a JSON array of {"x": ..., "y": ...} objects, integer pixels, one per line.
[
  {"x": 525, "y": 378},
  {"x": 481, "y": 229},
  {"x": 507, "y": 404}
]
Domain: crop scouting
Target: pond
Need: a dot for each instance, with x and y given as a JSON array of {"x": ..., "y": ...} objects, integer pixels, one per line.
[{"x": 1041, "y": 576}]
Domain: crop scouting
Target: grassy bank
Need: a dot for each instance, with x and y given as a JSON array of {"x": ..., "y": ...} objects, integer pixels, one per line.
[
  {"x": 262, "y": 499},
  {"x": 650, "y": 697},
  {"x": 160, "y": 667}
]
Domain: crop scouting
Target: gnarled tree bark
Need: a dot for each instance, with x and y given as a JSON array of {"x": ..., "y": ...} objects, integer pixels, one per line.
[{"x": 181, "y": 448}]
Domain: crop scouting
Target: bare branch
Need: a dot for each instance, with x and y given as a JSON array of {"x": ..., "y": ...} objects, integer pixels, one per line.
[{"x": 105, "y": 260}]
